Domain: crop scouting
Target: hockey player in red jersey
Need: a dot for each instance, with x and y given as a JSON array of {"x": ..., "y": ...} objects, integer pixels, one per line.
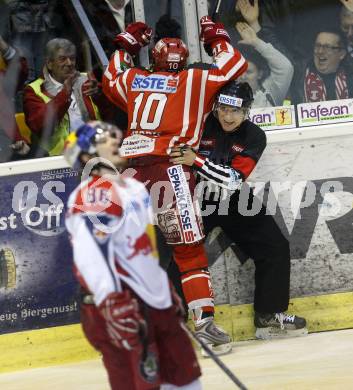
[
  {"x": 168, "y": 108},
  {"x": 128, "y": 311}
]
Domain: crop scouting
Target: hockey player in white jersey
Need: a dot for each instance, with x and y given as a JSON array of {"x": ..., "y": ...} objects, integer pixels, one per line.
[{"x": 128, "y": 311}]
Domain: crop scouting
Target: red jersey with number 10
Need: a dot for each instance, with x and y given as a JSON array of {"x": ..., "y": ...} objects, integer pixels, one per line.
[{"x": 166, "y": 109}]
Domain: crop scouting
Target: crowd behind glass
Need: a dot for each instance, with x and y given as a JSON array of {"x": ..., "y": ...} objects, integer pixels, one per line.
[{"x": 298, "y": 51}]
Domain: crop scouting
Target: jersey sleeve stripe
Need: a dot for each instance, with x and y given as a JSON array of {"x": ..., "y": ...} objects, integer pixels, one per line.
[
  {"x": 222, "y": 175},
  {"x": 231, "y": 72},
  {"x": 210, "y": 177},
  {"x": 125, "y": 79},
  {"x": 240, "y": 64},
  {"x": 217, "y": 170},
  {"x": 186, "y": 113},
  {"x": 117, "y": 62},
  {"x": 200, "y": 108},
  {"x": 223, "y": 59}
]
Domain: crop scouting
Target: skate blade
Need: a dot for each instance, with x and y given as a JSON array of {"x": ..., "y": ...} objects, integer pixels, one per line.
[
  {"x": 218, "y": 350},
  {"x": 277, "y": 333}
]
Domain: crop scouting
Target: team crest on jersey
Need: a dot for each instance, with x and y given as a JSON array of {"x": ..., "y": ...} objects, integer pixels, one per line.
[
  {"x": 237, "y": 148},
  {"x": 155, "y": 83}
]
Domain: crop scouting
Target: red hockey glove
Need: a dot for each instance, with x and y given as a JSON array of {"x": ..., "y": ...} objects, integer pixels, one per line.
[
  {"x": 135, "y": 36},
  {"x": 212, "y": 32},
  {"x": 123, "y": 320}
]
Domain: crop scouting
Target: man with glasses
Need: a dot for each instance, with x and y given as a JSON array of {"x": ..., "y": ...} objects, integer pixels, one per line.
[
  {"x": 326, "y": 76},
  {"x": 229, "y": 151}
]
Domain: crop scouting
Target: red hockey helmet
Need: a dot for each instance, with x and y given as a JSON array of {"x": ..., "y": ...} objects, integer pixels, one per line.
[{"x": 170, "y": 55}]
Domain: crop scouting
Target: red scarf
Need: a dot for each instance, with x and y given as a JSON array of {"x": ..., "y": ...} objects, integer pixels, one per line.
[{"x": 315, "y": 89}]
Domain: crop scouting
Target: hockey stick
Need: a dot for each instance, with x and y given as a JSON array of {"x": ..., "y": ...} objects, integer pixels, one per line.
[
  {"x": 214, "y": 357},
  {"x": 215, "y": 12},
  {"x": 87, "y": 57}
]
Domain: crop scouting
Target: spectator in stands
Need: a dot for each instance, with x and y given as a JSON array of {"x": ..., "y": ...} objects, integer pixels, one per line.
[
  {"x": 117, "y": 8},
  {"x": 269, "y": 72},
  {"x": 156, "y": 8},
  {"x": 62, "y": 99},
  {"x": 167, "y": 27},
  {"x": 348, "y": 4},
  {"x": 294, "y": 24},
  {"x": 108, "y": 19},
  {"x": 30, "y": 25},
  {"x": 235, "y": 13},
  {"x": 346, "y": 24},
  {"x": 327, "y": 75},
  {"x": 13, "y": 73}
]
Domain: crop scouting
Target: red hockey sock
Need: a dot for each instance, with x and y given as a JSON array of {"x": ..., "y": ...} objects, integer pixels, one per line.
[{"x": 198, "y": 290}]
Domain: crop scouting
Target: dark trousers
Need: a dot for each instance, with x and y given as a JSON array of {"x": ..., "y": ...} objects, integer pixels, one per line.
[{"x": 259, "y": 237}]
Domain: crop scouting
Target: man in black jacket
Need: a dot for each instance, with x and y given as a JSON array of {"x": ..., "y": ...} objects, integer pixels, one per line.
[{"x": 230, "y": 149}]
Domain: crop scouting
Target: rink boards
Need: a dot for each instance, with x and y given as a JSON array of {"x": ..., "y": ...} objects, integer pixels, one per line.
[
  {"x": 310, "y": 186},
  {"x": 306, "y": 174}
]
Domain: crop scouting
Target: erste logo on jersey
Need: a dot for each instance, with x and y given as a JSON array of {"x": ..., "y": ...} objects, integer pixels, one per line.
[{"x": 155, "y": 83}]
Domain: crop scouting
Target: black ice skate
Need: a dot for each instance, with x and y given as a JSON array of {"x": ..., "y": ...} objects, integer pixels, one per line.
[
  {"x": 279, "y": 325},
  {"x": 216, "y": 338}
]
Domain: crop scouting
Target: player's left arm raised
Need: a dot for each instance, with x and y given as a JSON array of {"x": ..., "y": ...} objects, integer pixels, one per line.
[
  {"x": 228, "y": 62},
  {"x": 128, "y": 44}
]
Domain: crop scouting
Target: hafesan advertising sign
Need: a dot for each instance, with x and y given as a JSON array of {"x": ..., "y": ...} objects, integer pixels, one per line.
[{"x": 332, "y": 111}]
